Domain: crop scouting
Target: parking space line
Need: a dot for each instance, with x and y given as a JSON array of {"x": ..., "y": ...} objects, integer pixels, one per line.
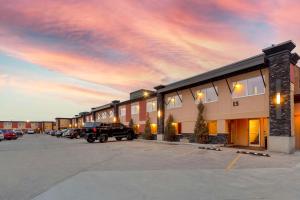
[{"x": 232, "y": 163}]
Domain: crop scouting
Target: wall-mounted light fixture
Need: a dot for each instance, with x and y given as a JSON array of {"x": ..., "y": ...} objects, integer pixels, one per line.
[
  {"x": 146, "y": 94},
  {"x": 199, "y": 94},
  {"x": 237, "y": 86},
  {"x": 75, "y": 125},
  {"x": 158, "y": 113},
  {"x": 70, "y": 125},
  {"x": 278, "y": 98},
  {"x": 115, "y": 119}
]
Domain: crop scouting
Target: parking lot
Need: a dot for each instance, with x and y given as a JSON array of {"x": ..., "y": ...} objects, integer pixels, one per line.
[{"x": 42, "y": 167}]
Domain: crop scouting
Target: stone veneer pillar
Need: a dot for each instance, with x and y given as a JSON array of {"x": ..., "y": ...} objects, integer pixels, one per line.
[
  {"x": 116, "y": 109},
  {"x": 281, "y": 137},
  {"x": 161, "y": 109}
]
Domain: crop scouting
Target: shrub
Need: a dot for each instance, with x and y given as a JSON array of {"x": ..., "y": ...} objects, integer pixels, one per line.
[
  {"x": 147, "y": 134},
  {"x": 170, "y": 131},
  {"x": 200, "y": 130}
]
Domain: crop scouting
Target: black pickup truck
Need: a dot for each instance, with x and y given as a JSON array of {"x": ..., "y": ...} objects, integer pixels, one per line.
[{"x": 102, "y": 131}]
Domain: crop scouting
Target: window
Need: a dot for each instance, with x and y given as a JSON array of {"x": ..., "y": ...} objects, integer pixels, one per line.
[
  {"x": 206, "y": 95},
  {"x": 122, "y": 112},
  {"x": 174, "y": 102},
  {"x": 248, "y": 87},
  {"x": 151, "y": 106},
  {"x": 111, "y": 114},
  {"x": 98, "y": 117},
  {"x": 256, "y": 86},
  {"x": 239, "y": 89},
  {"x": 212, "y": 127},
  {"x": 104, "y": 115},
  {"x": 135, "y": 109}
]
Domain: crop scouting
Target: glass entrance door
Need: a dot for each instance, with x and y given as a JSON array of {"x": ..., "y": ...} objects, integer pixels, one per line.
[{"x": 254, "y": 132}]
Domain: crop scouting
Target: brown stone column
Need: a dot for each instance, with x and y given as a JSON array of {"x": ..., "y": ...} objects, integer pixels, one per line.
[{"x": 281, "y": 95}]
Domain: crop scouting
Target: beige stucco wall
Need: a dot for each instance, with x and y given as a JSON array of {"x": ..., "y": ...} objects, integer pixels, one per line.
[
  {"x": 47, "y": 126},
  {"x": 64, "y": 123},
  {"x": 249, "y": 107},
  {"x": 297, "y": 79}
]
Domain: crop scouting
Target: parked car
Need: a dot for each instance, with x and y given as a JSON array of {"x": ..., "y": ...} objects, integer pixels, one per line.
[
  {"x": 18, "y": 132},
  {"x": 10, "y": 135},
  {"x": 100, "y": 131},
  {"x": 30, "y": 131},
  {"x": 73, "y": 133},
  {"x": 1, "y": 135},
  {"x": 60, "y": 133},
  {"x": 53, "y": 133}
]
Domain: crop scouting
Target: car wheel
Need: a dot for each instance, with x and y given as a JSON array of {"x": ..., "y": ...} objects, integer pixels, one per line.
[
  {"x": 130, "y": 136},
  {"x": 103, "y": 138},
  {"x": 90, "y": 139},
  {"x": 118, "y": 138}
]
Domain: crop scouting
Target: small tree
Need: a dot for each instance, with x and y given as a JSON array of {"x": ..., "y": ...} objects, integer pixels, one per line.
[
  {"x": 147, "y": 134},
  {"x": 170, "y": 131},
  {"x": 200, "y": 130}
]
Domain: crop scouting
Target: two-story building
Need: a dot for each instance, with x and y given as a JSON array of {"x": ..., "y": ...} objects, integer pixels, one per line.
[
  {"x": 107, "y": 113},
  {"x": 141, "y": 106},
  {"x": 250, "y": 102}
]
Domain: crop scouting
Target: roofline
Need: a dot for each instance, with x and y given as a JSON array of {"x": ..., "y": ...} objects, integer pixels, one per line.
[
  {"x": 138, "y": 99},
  {"x": 248, "y": 64}
]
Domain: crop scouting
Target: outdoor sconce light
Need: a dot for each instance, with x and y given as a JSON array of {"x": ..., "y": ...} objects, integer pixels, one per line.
[
  {"x": 82, "y": 123},
  {"x": 237, "y": 86},
  {"x": 199, "y": 94},
  {"x": 158, "y": 113},
  {"x": 70, "y": 125},
  {"x": 278, "y": 98},
  {"x": 75, "y": 125},
  {"x": 146, "y": 94},
  {"x": 115, "y": 119}
]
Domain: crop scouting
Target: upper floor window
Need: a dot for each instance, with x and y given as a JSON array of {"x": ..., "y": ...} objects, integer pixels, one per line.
[
  {"x": 134, "y": 109},
  {"x": 104, "y": 115},
  {"x": 122, "y": 112},
  {"x": 248, "y": 87},
  {"x": 174, "y": 102},
  {"x": 207, "y": 95},
  {"x": 111, "y": 114},
  {"x": 151, "y": 106}
]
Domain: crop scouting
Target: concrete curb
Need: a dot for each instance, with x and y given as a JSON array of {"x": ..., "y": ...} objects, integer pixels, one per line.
[{"x": 181, "y": 143}]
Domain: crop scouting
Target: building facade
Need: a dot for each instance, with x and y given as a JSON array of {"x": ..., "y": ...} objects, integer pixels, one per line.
[
  {"x": 251, "y": 103},
  {"x": 247, "y": 103},
  {"x": 38, "y": 126},
  {"x": 141, "y": 106}
]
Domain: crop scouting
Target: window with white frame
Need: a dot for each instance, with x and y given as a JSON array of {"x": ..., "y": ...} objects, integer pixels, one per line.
[
  {"x": 207, "y": 95},
  {"x": 98, "y": 116},
  {"x": 151, "y": 106},
  {"x": 174, "y": 102},
  {"x": 122, "y": 112},
  {"x": 104, "y": 115},
  {"x": 134, "y": 109},
  {"x": 111, "y": 114},
  {"x": 248, "y": 87}
]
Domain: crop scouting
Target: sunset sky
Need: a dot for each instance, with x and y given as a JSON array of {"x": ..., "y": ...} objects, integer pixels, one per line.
[{"x": 58, "y": 58}]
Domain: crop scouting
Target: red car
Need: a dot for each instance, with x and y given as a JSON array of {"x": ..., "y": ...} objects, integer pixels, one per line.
[{"x": 10, "y": 135}]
